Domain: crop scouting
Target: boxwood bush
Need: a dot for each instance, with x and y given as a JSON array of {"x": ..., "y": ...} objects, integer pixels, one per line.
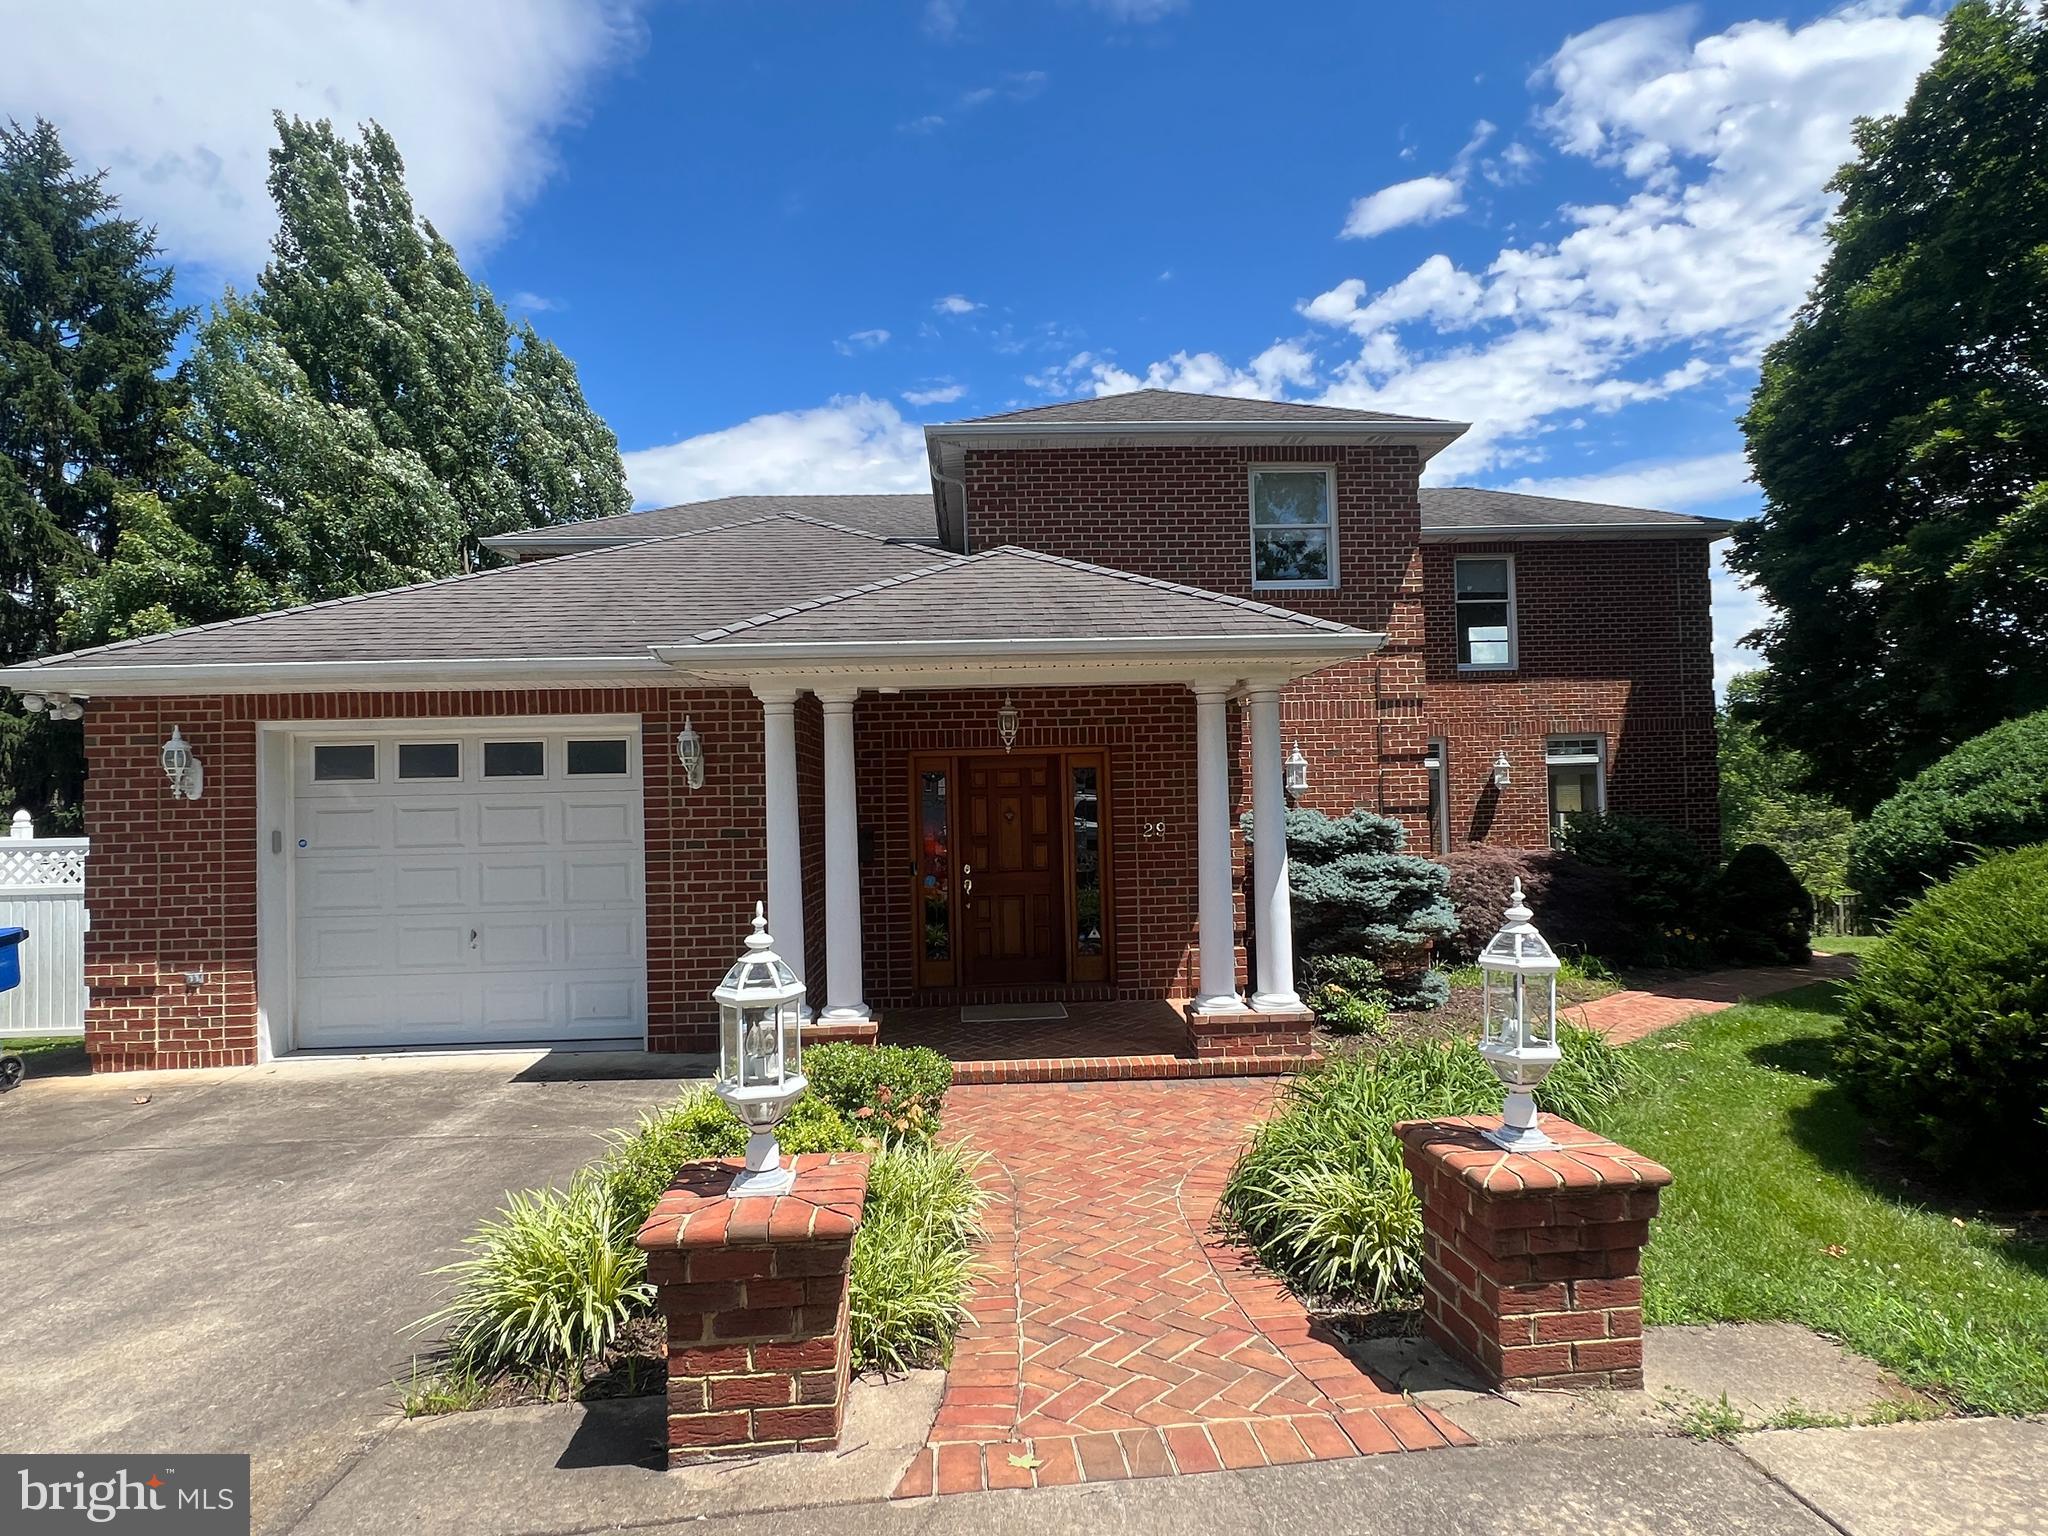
[
  {"x": 1763, "y": 915},
  {"x": 1990, "y": 793},
  {"x": 1946, "y": 1025},
  {"x": 883, "y": 1090},
  {"x": 1321, "y": 1195}
]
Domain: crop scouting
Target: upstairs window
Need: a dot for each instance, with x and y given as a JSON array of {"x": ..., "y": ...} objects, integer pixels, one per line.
[
  {"x": 1486, "y": 613},
  {"x": 1294, "y": 532},
  {"x": 1578, "y": 778}
]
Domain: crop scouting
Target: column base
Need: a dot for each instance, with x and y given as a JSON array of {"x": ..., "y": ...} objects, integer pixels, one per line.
[
  {"x": 1278, "y": 1002},
  {"x": 1245, "y": 1033},
  {"x": 845, "y": 1013},
  {"x": 1221, "y": 1002}
]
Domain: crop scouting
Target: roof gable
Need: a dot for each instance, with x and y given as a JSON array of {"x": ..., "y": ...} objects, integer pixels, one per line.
[{"x": 1181, "y": 406}]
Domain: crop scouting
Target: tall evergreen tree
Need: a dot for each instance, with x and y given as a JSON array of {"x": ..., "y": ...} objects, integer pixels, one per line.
[
  {"x": 87, "y": 414},
  {"x": 1900, "y": 431},
  {"x": 361, "y": 419}
]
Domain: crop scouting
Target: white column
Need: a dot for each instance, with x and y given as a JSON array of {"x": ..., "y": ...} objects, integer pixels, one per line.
[
  {"x": 843, "y": 1003},
  {"x": 1218, "y": 983},
  {"x": 1272, "y": 913},
  {"x": 785, "y": 840}
]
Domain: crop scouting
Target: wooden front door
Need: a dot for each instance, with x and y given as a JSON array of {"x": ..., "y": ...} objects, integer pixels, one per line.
[{"x": 1012, "y": 846}]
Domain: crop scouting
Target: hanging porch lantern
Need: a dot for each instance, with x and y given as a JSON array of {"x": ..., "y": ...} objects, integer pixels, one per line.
[
  {"x": 1518, "y": 1035},
  {"x": 1296, "y": 777},
  {"x": 690, "y": 753},
  {"x": 1007, "y": 722},
  {"x": 760, "y": 1039},
  {"x": 185, "y": 772},
  {"x": 1501, "y": 773}
]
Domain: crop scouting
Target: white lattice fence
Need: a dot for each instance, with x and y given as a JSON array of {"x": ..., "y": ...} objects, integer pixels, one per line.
[{"x": 42, "y": 889}]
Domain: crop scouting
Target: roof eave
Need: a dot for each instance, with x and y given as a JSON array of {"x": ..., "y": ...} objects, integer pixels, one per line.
[
  {"x": 1585, "y": 532},
  {"x": 212, "y": 678}
]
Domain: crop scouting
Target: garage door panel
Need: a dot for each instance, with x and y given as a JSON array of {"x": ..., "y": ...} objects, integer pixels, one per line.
[
  {"x": 428, "y": 826},
  {"x": 601, "y": 823},
  {"x": 333, "y": 887},
  {"x": 514, "y": 824},
  {"x": 465, "y": 910},
  {"x": 504, "y": 883},
  {"x": 602, "y": 882},
  {"x": 442, "y": 947}
]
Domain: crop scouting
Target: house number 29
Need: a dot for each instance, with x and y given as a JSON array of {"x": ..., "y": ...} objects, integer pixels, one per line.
[{"x": 1153, "y": 828}]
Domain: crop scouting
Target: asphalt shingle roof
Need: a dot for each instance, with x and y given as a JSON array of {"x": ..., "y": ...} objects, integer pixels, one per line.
[
  {"x": 602, "y": 603},
  {"x": 907, "y": 516},
  {"x": 1020, "y": 594},
  {"x": 1464, "y": 506},
  {"x": 1162, "y": 405}
]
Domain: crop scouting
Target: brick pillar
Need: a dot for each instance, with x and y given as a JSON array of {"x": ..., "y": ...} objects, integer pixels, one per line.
[
  {"x": 1531, "y": 1260},
  {"x": 754, "y": 1293}
]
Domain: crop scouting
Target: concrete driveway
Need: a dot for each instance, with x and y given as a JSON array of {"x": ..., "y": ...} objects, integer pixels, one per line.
[{"x": 227, "y": 1266}]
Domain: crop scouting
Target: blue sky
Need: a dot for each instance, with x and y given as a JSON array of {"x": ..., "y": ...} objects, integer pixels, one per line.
[{"x": 777, "y": 236}]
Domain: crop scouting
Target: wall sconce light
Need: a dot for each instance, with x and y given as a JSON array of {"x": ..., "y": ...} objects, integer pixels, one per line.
[
  {"x": 1501, "y": 776},
  {"x": 186, "y": 773},
  {"x": 1007, "y": 721},
  {"x": 1296, "y": 778},
  {"x": 61, "y": 706},
  {"x": 690, "y": 753}
]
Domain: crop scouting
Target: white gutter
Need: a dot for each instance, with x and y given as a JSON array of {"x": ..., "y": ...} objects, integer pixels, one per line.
[
  {"x": 726, "y": 654},
  {"x": 1710, "y": 530},
  {"x": 87, "y": 681},
  {"x": 1085, "y": 429}
]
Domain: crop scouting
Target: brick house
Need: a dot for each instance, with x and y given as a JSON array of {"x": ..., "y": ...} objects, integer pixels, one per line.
[{"x": 976, "y": 748}]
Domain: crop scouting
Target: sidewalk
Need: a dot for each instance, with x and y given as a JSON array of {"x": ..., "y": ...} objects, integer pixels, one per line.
[{"x": 1626, "y": 1016}]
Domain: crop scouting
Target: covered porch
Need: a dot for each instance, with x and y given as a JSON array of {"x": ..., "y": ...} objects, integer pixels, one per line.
[{"x": 1036, "y": 816}]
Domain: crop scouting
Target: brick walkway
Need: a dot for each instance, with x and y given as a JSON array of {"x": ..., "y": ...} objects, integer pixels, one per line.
[
  {"x": 1113, "y": 1337},
  {"x": 1626, "y": 1016},
  {"x": 1096, "y": 1042}
]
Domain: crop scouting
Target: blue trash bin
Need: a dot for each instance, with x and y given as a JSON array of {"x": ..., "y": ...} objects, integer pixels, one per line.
[{"x": 10, "y": 957}]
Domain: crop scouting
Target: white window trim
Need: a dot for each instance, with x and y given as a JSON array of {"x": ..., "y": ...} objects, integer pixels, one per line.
[
  {"x": 1514, "y": 634},
  {"x": 1552, "y": 758},
  {"x": 1251, "y": 512},
  {"x": 1438, "y": 763}
]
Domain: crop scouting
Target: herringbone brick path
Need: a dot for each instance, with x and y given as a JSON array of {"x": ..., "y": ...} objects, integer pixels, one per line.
[
  {"x": 1628, "y": 1016},
  {"x": 1113, "y": 1335}
]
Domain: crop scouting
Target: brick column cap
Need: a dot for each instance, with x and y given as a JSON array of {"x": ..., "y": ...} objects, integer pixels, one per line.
[
  {"x": 823, "y": 1205},
  {"x": 1582, "y": 1160}
]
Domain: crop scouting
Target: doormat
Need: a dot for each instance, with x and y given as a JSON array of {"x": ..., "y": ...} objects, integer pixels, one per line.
[{"x": 1012, "y": 1013}]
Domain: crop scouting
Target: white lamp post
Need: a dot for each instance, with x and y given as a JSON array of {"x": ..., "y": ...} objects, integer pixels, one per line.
[
  {"x": 1518, "y": 1038},
  {"x": 760, "y": 1038}
]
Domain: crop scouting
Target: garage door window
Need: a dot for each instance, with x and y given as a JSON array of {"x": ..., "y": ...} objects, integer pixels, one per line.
[
  {"x": 514, "y": 760},
  {"x": 430, "y": 760},
  {"x": 598, "y": 757},
  {"x": 342, "y": 764}
]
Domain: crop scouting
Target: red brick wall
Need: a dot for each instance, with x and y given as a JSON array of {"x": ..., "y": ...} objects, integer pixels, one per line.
[
  {"x": 1148, "y": 733},
  {"x": 1183, "y": 514},
  {"x": 1613, "y": 639},
  {"x": 172, "y": 884}
]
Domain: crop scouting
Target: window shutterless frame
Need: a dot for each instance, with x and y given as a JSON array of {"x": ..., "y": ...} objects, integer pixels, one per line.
[
  {"x": 1328, "y": 526},
  {"x": 1575, "y": 754},
  {"x": 1459, "y": 604},
  {"x": 1438, "y": 764}
]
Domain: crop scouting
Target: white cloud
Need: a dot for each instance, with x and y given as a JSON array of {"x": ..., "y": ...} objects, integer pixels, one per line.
[
  {"x": 1138, "y": 13},
  {"x": 1670, "y": 485},
  {"x": 851, "y": 443},
  {"x": 1421, "y": 201},
  {"x": 175, "y": 101},
  {"x": 937, "y": 392},
  {"x": 861, "y": 341},
  {"x": 955, "y": 304},
  {"x": 1737, "y": 610},
  {"x": 942, "y": 19},
  {"x": 1283, "y": 365},
  {"x": 532, "y": 303}
]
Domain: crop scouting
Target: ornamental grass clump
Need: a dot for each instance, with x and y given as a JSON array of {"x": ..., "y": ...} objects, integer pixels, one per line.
[
  {"x": 913, "y": 1256},
  {"x": 1321, "y": 1194},
  {"x": 547, "y": 1288}
]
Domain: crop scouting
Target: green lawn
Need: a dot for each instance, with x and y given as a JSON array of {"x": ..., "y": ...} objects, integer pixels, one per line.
[
  {"x": 1776, "y": 1215},
  {"x": 1846, "y": 943},
  {"x": 42, "y": 1045}
]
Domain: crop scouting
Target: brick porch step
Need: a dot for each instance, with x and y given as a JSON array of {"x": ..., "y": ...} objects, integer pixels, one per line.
[{"x": 1130, "y": 1069}]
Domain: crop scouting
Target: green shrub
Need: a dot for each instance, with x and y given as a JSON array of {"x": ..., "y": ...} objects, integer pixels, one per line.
[
  {"x": 1667, "y": 883},
  {"x": 913, "y": 1258},
  {"x": 882, "y": 1090},
  {"x": 548, "y": 1286},
  {"x": 1763, "y": 914},
  {"x": 1356, "y": 896},
  {"x": 1579, "y": 907},
  {"x": 640, "y": 1163},
  {"x": 1946, "y": 1025},
  {"x": 1354, "y": 973},
  {"x": 1990, "y": 793},
  {"x": 1344, "y": 1012},
  {"x": 1320, "y": 1193}
]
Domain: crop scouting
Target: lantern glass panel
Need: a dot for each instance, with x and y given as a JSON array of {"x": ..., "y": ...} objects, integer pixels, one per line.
[
  {"x": 729, "y": 1026},
  {"x": 761, "y": 1047}
]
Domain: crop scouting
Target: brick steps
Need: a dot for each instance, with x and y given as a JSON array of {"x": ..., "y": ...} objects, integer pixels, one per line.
[{"x": 1129, "y": 1069}]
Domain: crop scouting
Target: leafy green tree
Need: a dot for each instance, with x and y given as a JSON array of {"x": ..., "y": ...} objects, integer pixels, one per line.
[
  {"x": 1900, "y": 431},
  {"x": 1762, "y": 801},
  {"x": 87, "y": 413},
  {"x": 362, "y": 419}
]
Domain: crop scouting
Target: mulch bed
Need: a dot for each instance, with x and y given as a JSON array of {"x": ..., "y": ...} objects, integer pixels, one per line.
[{"x": 1458, "y": 1019}]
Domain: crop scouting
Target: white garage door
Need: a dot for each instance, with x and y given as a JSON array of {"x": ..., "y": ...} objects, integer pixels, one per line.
[{"x": 456, "y": 888}]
